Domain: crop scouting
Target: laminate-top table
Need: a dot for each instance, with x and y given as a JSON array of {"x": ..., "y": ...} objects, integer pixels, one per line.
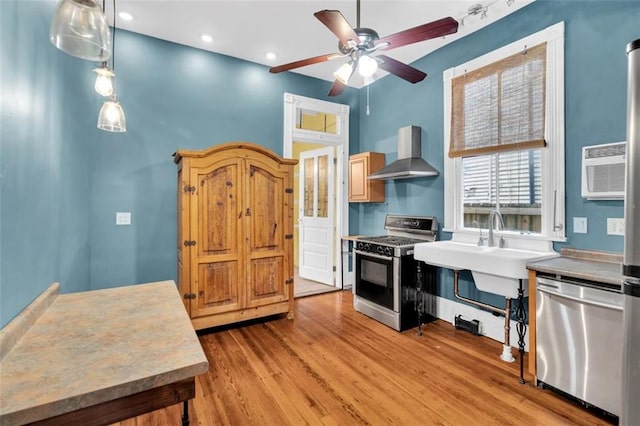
[{"x": 98, "y": 357}]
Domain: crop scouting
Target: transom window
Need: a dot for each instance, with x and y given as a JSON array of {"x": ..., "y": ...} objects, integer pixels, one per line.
[{"x": 504, "y": 135}]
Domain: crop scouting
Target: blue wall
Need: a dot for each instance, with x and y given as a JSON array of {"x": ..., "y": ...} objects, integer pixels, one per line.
[
  {"x": 46, "y": 126},
  {"x": 63, "y": 180},
  {"x": 174, "y": 97},
  {"x": 596, "y": 35}
]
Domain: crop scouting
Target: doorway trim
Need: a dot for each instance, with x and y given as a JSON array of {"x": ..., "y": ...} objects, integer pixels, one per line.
[{"x": 294, "y": 103}]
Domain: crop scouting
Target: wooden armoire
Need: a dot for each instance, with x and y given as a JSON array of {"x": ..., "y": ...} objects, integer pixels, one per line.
[{"x": 235, "y": 233}]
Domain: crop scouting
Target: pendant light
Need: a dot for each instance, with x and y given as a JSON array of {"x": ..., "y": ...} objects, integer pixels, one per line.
[
  {"x": 111, "y": 117},
  {"x": 79, "y": 28},
  {"x": 104, "y": 83}
]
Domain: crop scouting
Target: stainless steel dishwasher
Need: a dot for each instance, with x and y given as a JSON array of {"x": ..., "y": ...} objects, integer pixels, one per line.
[{"x": 579, "y": 340}]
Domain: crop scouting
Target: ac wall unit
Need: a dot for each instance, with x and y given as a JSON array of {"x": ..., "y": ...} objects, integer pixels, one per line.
[{"x": 603, "y": 169}]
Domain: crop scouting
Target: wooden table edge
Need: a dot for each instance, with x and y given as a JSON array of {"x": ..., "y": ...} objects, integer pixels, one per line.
[{"x": 128, "y": 406}]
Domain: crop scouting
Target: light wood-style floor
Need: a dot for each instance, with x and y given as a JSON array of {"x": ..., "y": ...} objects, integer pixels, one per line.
[
  {"x": 303, "y": 287},
  {"x": 334, "y": 366}
]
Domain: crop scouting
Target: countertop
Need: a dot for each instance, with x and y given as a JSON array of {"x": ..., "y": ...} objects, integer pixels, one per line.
[
  {"x": 65, "y": 352},
  {"x": 604, "y": 267},
  {"x": 352, "y": 237}
]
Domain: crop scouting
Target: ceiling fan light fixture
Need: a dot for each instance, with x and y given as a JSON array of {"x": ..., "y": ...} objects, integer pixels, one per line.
[
  {"x": 359, "y": 44},
  {"x": 367, "y": 66},
  {"x": 104, "y": 81},
  {"x": 79, "y": 28},
  {"x": 344, "y": 73}
]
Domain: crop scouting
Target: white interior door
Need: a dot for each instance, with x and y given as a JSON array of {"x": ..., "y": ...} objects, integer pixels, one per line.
[
  {"x": 316, "y": 215},
  {"x": 296, "y": 109}
]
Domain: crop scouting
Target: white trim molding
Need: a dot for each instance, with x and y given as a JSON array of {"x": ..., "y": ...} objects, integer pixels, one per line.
[{"x": 553, "y": 178}]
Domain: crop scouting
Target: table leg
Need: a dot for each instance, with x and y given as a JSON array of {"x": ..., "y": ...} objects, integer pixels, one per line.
[{"x": 185, "y": 413}]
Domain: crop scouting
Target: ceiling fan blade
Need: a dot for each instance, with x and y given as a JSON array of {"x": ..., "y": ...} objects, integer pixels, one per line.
[
  {"x": 439, "y": 28},
  {"x": 402, "y": 70},
  {"x": 304, "y": 62},
  {"x": 337, "y": 88},
  {"x": 337, "y": 24}
]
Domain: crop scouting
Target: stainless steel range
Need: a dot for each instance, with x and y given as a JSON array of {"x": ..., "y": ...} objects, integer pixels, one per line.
[{"x": 386, "y": 287}]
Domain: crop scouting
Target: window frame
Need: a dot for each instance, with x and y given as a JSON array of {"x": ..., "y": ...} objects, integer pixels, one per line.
[{"x": 553, "y": 178}]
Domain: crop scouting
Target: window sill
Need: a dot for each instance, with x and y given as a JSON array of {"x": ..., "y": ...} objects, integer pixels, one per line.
[{"x": 511, "y": 239}]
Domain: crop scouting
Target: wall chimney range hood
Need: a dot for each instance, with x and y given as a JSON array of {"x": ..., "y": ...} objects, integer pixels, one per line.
[{"x": 410, "y": 163}]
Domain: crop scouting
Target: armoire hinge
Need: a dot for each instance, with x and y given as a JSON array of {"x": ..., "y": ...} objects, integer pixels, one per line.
[
  {"x": 189, "y": 296},
  {"x": 289, "y": 190},
  {"x": 191, "y": 189},
  {"x": 188, "y": 243},
  {"x": 288, "y": 236}
]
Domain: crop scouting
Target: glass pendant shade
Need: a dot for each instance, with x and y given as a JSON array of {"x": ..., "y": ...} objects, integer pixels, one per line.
[
  {"x": 367, "y": 66},
  {"x": 111, "y": 117},
  {"x": 79, "y": 28},
  {"x": 343, "y": 74},
  {"x": 104, "y": 81}
]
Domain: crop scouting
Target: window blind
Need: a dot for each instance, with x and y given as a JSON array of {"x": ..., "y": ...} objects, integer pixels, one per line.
[
  {"x": 501, "y": 106},
  {"x": 509, "y": 179}
]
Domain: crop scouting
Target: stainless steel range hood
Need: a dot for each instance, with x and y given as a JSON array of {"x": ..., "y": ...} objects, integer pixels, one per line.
[{"x": 410, "y": 163}]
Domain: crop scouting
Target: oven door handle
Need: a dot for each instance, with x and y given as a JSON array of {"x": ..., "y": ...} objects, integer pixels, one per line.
[{"x": 377, "y": 256}]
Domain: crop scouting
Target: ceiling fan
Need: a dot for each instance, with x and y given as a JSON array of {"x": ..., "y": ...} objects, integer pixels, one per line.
[{"x": 360, "y": 43}]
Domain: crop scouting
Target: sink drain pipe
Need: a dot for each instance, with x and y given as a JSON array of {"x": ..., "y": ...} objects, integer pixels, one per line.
[{"x": 506, "y": 347}]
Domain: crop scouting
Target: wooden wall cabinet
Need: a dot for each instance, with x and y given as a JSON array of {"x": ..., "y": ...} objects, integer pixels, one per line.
[
  {"x": 361, "y": 189},
  {"x": 235, "y": 233}
]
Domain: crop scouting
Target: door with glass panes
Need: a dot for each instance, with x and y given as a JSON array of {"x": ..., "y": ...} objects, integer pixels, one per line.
[{"x": 316, "y": 215}]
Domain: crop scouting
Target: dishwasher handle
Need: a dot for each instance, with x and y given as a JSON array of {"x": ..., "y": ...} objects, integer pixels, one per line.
[{"x": 551, "y": 288}]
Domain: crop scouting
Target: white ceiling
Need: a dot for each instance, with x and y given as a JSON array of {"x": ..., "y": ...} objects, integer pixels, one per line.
[{"x": 248, "y": 29}]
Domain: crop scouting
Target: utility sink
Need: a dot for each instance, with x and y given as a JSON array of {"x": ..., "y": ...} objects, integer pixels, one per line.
[{"x": 495, "y": 270}]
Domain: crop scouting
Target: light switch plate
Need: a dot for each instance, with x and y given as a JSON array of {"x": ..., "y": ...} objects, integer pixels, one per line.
[
  {"x": 123, "y": 218},
  {"x": 579, "y": 225},
  {"x": 615, "y": 226}
]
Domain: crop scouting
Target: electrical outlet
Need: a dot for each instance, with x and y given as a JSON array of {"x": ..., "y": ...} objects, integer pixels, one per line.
[
  {"x": 123, "y": 218},
  {"x": 580, "y": 225},
  {"x": 615, "y": 226}
]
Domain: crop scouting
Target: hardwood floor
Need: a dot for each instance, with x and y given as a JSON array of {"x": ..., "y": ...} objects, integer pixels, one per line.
[
  {"x": 334, "y": 366},
  {"x": 303, "y": 287}
]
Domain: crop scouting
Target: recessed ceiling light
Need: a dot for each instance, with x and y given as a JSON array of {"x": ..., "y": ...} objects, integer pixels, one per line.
[
  {"x": 207, "y": 38},
  {"x": 271, "y": 56},
  {"x": 126, "y": 16}
]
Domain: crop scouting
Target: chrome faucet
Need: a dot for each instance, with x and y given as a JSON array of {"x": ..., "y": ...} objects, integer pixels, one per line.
[{"x": 492, "y": 221}]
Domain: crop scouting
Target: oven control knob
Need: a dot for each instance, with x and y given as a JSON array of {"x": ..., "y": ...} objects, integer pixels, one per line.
[
  {"x": 380, "y": 249},
  {"x": 416, "y": 224},
  {"x": 367, "y": 247},
  {"x": 388, "y": 251}
]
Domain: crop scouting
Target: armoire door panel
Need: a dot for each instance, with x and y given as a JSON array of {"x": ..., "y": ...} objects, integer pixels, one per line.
[
  {"x": 266, "y": 281},
  {"x": 218, "y": 287},
  {"x": 217, "y": 199},
  {"x": 266, "y": 206}
]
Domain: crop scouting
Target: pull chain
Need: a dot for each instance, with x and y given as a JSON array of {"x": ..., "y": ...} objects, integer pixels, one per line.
[{"x": 367, "y": 111}]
